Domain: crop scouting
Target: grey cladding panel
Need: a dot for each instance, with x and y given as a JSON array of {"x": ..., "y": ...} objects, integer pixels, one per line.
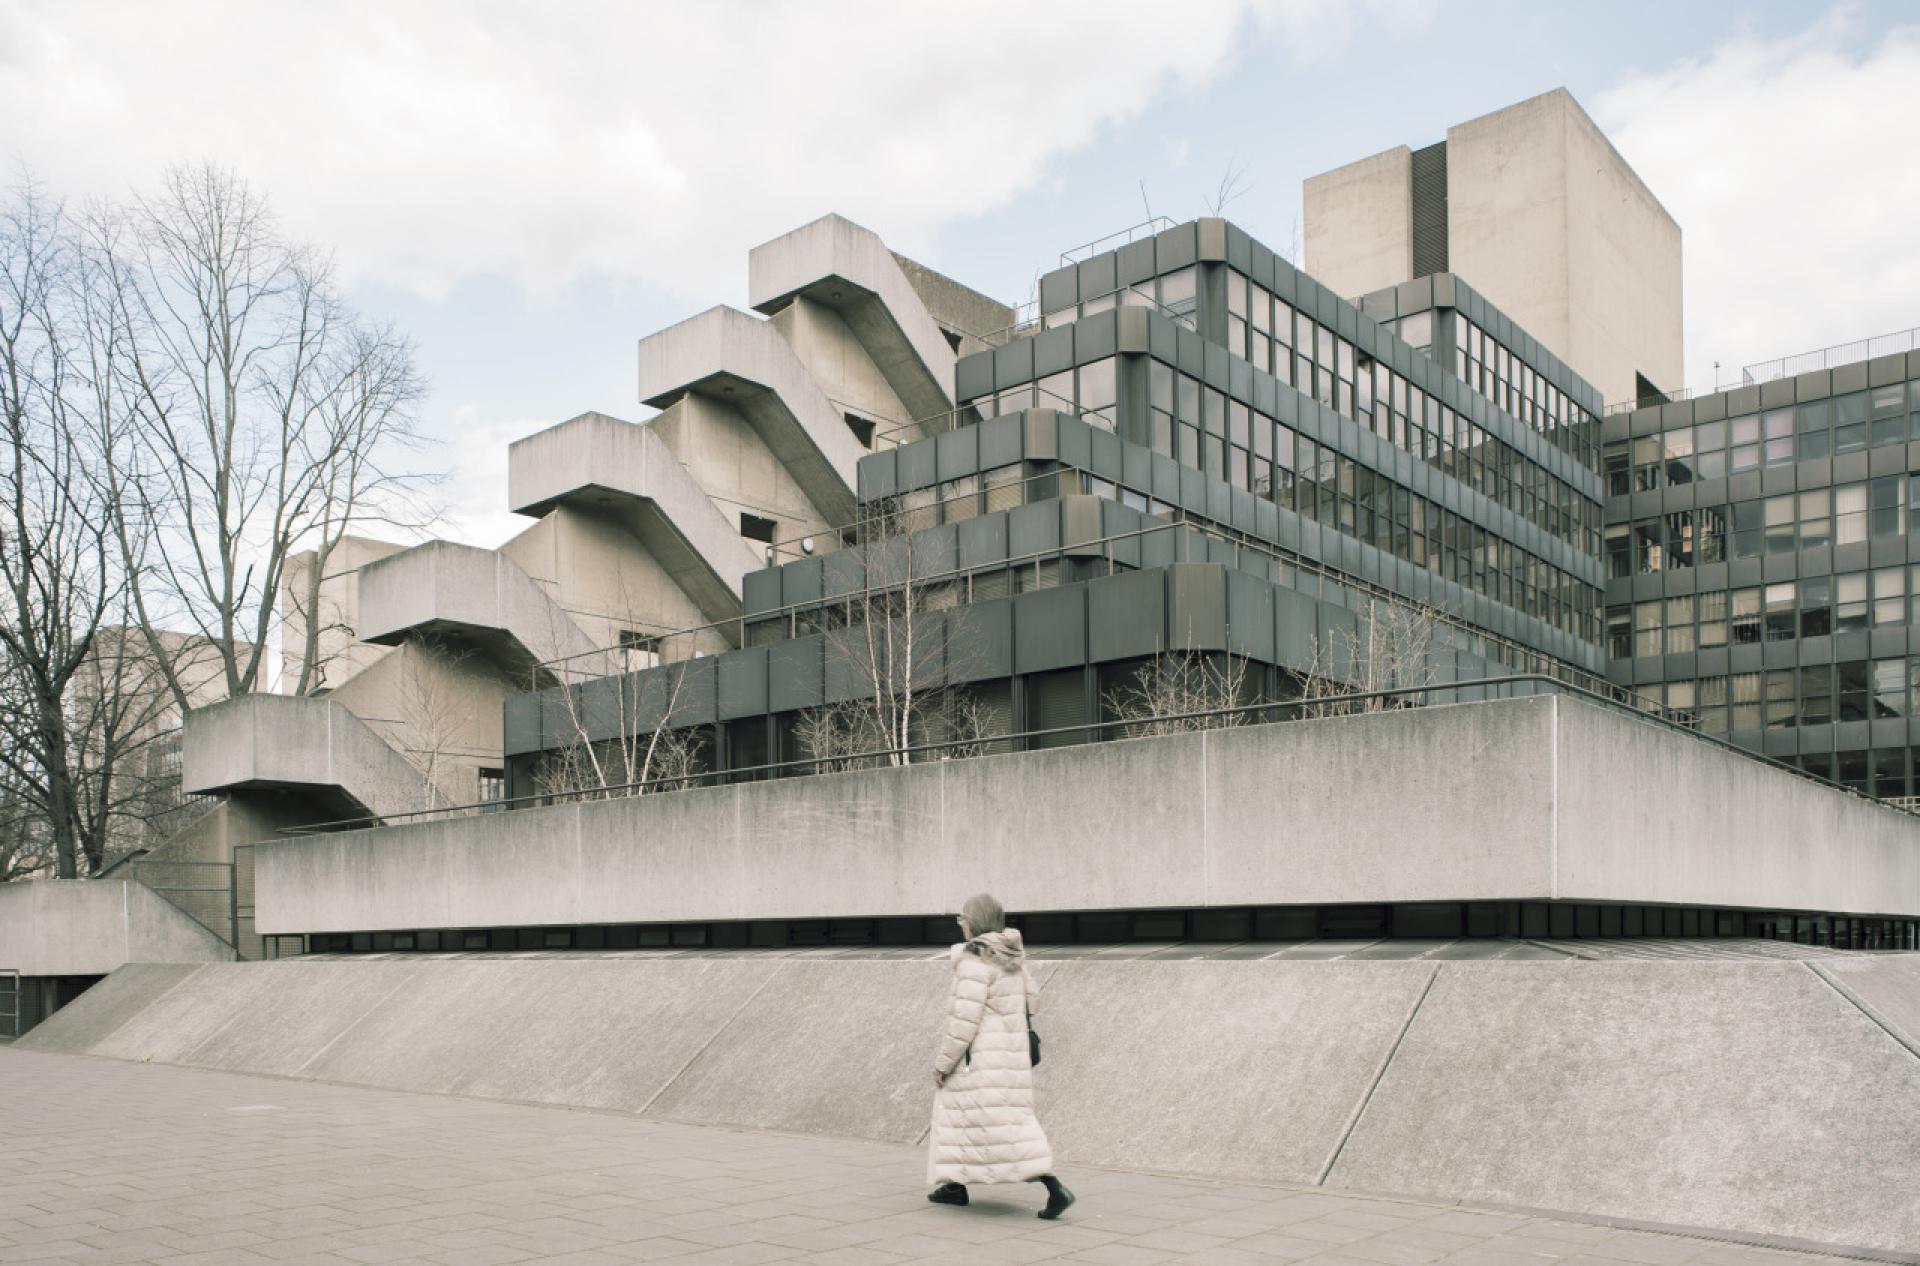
[
  {"x": 973, "y": 375},
  {"x": 794, "y": 674},
  {"x": 1033, "y": 529},
  {"x": 980, "y": 641},
  {"x": 875, "y": 476},
  {"x": 1057, "y": 290},
  {"x": 957, "y": 453},
  {"x": 1249, "y": 616},
  {"x": 1197, "y": 607},
  {"x": 802, "y": 582},
  {"x": 1126, "y": 615},
  {"x": 742, "y": 683},
  {"x": 1050, "y": 629},
  {"x": 983, "y": 541},
  {"x": 1013, "y": 364},
  {"x": 918, "y": 465},
  {"x": 760, "y": 591},
  {"x": 1053, "y": 350},
  {"x": 1002, "y": 441}
]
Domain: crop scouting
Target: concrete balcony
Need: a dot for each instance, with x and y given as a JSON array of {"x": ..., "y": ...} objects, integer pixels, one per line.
[
  {"x": 310, "y": 745},
  {"x": 742, "y": 361},
  {"x": 838, "y": 264},
  {"x": 476, "y": 597},
  {"x": 624, "y": 469}
]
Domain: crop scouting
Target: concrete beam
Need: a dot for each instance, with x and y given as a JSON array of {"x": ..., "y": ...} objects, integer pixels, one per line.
[
  {"x": 1536, "y": 799},
  {"x": 743, "y": 361},
  {"x": 626, "y": 469},
  {"x": 835, "y": 262}
]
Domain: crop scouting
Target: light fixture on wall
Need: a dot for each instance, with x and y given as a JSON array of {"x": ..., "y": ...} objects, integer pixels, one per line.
[{"x": 806, "y": 545}]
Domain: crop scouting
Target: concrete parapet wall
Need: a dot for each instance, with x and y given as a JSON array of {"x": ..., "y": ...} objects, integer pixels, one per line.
[
  {"x": 1527, "y": 800},
  {"x": 1754, "y": 1097},
  {"x": 89, "y": 927}
]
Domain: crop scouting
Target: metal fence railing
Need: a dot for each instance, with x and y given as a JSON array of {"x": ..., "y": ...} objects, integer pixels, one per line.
[
  {"x": 9, "y": 1004},
  {"x": 1266, "y": 712},
  {"x": 1829, "y": 357}
]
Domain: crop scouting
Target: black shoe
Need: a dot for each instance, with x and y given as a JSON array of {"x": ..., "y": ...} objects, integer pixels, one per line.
[
  {"x": 954, "y": 1193},
  {"x": 1059, "y": 1199}
]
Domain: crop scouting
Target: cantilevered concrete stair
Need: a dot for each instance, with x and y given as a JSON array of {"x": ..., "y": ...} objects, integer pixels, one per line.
[
  {"x": 305, "y": 744},
  {"x": 627, "y": 470},
  {"x": 477, "y": 597}
]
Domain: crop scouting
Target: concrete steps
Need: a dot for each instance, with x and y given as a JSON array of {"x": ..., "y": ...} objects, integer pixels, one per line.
[{"x": 1773, "y": 1097}]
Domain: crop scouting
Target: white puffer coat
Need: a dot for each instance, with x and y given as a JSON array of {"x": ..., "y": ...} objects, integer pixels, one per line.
[{"x": 984, "y": 1127}]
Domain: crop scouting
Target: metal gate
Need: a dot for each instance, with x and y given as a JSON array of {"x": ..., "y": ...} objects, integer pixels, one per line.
[{"x": 9, "y": 1004}]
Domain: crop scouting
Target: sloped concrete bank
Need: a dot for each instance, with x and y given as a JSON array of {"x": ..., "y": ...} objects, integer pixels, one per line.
[{"x": 1758, "y": 1097}]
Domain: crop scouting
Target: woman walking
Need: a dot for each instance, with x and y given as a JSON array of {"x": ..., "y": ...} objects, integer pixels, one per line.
[{"x": 984, "y": 1127}]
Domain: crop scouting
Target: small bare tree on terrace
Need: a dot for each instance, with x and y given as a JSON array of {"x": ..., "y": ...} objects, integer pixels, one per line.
[
  {"x": 1165, "y": 690},
  {"x": 1391, "y": 648}
]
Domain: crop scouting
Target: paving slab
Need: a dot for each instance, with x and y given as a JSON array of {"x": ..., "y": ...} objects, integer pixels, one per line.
[{"x": 227, "y": 1167}]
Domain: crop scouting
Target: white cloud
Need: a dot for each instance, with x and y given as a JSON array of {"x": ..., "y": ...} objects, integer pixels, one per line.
[
  {"x": 1785, "y": 163},
  {"x": 437, "y": 139},
  {"x": 474, "y": 496}
]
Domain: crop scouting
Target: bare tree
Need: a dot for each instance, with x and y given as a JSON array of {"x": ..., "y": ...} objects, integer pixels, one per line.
[
  {"x": 649, "y": 751},
  {"x": 72, "y": 713},
  {"x": 1391, "y": 648},
  {"x": 889, "y": 634},
  {"x": 435, "y": 712},
  {"x": 1167, "y": 689},
  {"x": 1233, "y": 185},
  {"x": 257, "y": 414}
]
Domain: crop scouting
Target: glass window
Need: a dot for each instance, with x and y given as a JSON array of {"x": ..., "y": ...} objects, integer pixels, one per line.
[
  {"x": 1746, "y": 617},
  {"x": 1097, "y": 393},
  {"x": 1780, "y": 612},
  {"x": 1746, "y": 529},
  {"x": 1816, "y": 606},
  {"x": 1619, "y": 470},
  {"x": 1187, "y": 399},
  {"x": 1177, "y": 291},
  {"x": 1850, "y": 422},
  {"x": 1779, "y": 702},
  {"x": 1713, "y": 619},
  {"x": 1648, "y": 556},
  {"x": 1850, "y": 690},
  {"x": 1646, "y": 628},
  {"x": 1713, "y": 705},
  {"x": 1889, "y": 688},
  {"x": 1216, "y": 412},
  {"x": 1619, "y": 632},
  {"x": 1746, "y": 443},
  {"x": 1778, "y": 428},
  {"x": 1816, "y": 694},
  {"x": 1889, "y": 596},
  {"x": 1680, "y": 625},
  {"x": 1680, "y": 539},
  {"x": 1886, "y": 505},
  {"x": 1710, "y": 450},
  {"x": 1239, "y": 424},
  {"x": 1619, "y": 546},
  {"x": 1887, "y": 408},
  {"x": 1815, "y": 425},
  {"x": 1849, "y": 514},
  {"x": 1746, "y": 701},
  {"x": 1779, "y": 513},
  {"x": 1816, "y": 513},
  {"x": 1646, "y": 463},
  {"x": 1850, "y": 602},
  {"x": 1679, "y": 455}
]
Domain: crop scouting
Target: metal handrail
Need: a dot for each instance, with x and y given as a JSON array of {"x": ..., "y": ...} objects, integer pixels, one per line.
[
  {"x": 1153, "y": 225},
  {"x": 1321, "y": 572},
  {"x": 1302, "y": 709},
  {"x": 1828, "y": 357}
]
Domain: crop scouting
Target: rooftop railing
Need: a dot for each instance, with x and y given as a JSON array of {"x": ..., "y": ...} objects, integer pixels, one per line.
[
  {"x": 1830, "y": 357},
  {"x": 1149, "y": 227}
]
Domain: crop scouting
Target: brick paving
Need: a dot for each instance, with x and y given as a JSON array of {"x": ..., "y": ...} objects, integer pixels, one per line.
[{"x": 102, "y": 1161}]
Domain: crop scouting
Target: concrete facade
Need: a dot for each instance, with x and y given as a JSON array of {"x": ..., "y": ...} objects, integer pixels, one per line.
[
  {"x": 274, "y": 742},
  {"x": 1545, "y": 217},
  {"x": 1359, "y": 223},
  {"x": 89, "y": 927},
  {"x": 1515, "y": 800}
]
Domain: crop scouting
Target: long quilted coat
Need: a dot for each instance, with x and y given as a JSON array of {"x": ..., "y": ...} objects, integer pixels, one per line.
[{"x": 984, "y": 1127}]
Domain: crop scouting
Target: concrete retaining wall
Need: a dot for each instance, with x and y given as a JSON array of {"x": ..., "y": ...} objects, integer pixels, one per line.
[
  {"x": 1754, "y": 1097},
  {"x": 89, "y": 927},
  {"x": 1523, "y": 799}
]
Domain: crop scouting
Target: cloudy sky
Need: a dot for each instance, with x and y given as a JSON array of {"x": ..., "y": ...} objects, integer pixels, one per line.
[{"x": 529, "y": 188}]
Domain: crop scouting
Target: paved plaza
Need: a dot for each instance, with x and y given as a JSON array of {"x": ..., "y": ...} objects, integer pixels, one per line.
[{"x": 103, "y": 1161}]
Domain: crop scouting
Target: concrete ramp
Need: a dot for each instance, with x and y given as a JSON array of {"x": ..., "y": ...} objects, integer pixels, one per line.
[{"x": 1752, "y": 1097}]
